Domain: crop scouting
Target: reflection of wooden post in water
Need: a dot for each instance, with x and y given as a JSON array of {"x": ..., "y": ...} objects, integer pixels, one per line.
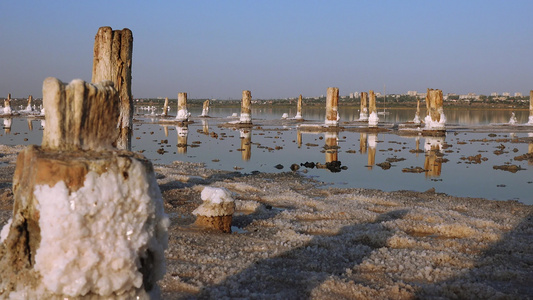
[
  {"x": 112, "y": 61},
  {"x": 435, "y": 120},
  {"x": 165, "y": 128},
  {"x": 362, "y": 143},
  {"x": 183, "y": 132},
  {"x": 30, "y": 125},
  {"x": 205, "y": 109},
  {"x": 73, "y": 197},
  {"x": 530, "y": 150},
  {"x": 372, "y": 142},
  {"x": 205, "y": 127},
  {"x": 246, "y": 144},
  {"x": 432, "y": 162},
  {"x": 165, "y": 108},
  {"x": 299, "y": 138},
  {"x": 7, "y": 125},
  {"x": 417, "y": 144},
  {"x": 332, "y": 153},
  {"x": 332, "y": 101},
  {"x": 246, "y": 107},
  {"x": 530, "y": 107},
  {"x": 373, "y": 118},
  {"x": 183, "y": 113},
  {"x": 363, "y": 113},
  {"x": 299, "y": 108}
]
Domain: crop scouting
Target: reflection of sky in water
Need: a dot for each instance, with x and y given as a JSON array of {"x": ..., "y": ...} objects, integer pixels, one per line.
[{"x": 261, "y": 150}]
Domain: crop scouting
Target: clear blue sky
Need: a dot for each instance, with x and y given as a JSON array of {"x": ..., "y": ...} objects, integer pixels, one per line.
[{"x": 276, "y": 49}]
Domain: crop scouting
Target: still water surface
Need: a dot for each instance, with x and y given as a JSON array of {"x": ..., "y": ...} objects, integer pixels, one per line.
[{"x": 269, "y": 145}]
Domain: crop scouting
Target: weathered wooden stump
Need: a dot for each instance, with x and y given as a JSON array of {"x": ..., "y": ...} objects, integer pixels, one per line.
[
  {"x": 88, "y": 218},
  {"x": 7, "y": 105},
  {"x": 205, "y": 109},
  {"x": 332, "y": 103},
  {"x": 112, "y": 61},
  {"x": 299, "y": 108},
  {"x": 246, "y": 107},
  {"x": 435, "y": 119},
  {"x": 416, "y": 120},
  {"x": 363, "y": 113},
  {"x": 530, "y": 107},
  {"x": 165, "y": 108},
  {"x": 373, "y": 118},
  {"x": 183, "y": 114}
]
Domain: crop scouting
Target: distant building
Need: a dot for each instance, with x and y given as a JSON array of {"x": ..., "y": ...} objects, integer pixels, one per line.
[
  {"x": 412, "y": 93},
  {"x": 506, "y": 94},
  {"x": 518, "y": 94},
  {"x": 351, "y": 95},
  {"x": 494, "y": 94}
]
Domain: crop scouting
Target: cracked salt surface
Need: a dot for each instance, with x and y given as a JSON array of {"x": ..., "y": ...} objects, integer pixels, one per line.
[{"x": 344, "y": 243}]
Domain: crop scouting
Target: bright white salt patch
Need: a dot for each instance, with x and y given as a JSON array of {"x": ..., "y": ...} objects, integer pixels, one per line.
[
  {"x": 183, "y": 114},
  {"x": 205, "y": 112},
  {"x": 363, "y": 115},
  {"x": 91, "y": 240},
  {"x": 217, "y": 202},
  {"x": 7, "y": 123},
  {"x": 373, "y": 120},
  {"x": 298, "y": 116},
  {"x": 333, "y": 122},
  {"x": 530, "y": 120},
  {"x": 285, "y": 116},
  {"x": 372, "y": 140},
  {"x": 416, "y": 120},
  {"x": 513, "y": 120},
  {"x": 7, "y": 110},
  {"x": 245, "y": 118},
  {"x": 5, "y": 230},
  {"x": 433, "y": 143},
  {"x": 431, "y": 125}
]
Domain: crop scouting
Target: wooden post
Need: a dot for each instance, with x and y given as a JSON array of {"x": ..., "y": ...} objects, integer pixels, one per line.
[
  {"x": 299, "y": 108},
  {"x": 530, "y": 107},
  {"x": 246, "y": 107},
  {"x": 165, "y": 108},
  {"x": 183, "y": 113},
  {"x": 416, "y": 120},
  {"x": 28, "y": 105},
  {"x": 363, "y": 112},
  {"x": 435, "y": 120},
  {"x": 112, "y": 61},
  {"x": 205, "y": 109},
  {"x": 332, "y": 100},
  {"x": 7, "y": 105},
  {"x": 84, "y": 205},
  {"x": 373, "y": 118}
]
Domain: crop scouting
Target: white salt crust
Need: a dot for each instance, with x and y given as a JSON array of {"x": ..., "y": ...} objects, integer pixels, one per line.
[
  {"x": 373, "y": 120},
  {"x": 183, "y": 114},
  {"x": 432, "y": 125},
  {"x": 245, "y": 118},
  {"x": 92, "y": 239},
  {"x": 5, "y": 230}
]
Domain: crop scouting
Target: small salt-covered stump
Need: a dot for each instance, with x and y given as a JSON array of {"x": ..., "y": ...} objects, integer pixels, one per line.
[
  {"x": 299, "y": 109},
  {"x": 530, "y": 121},
  {"x": 7, "y": 105},
  {"x": 183, "y": 113},
  {"x": 216, "y": 212},
  {"x": 165, "y": 108},
  {"x": 435, "y": 119},
  {"x": 88, "y": 218}
]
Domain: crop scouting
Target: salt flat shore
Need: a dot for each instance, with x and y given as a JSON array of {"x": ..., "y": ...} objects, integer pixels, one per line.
[{"x": 295, "y": 238}]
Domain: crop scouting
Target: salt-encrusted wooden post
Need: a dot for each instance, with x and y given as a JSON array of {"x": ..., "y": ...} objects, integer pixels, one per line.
[
  {"x": 246, "y": 144},
  {"x": 88, "y": 218},
  {"x": 435, "y": 120},
  {"x": 183, "y": 114},
  {"x": 29, "y": 103},
  {"x": 363, "y": 113},
  {"x": 416, "y": 120},
  {"x": 299, "y": 108},
  {"x": 246, "y": 107},
  {"x": 332, "y": 101},
  {"x": 205, "y": 109},
  {"x": 165, "y": 108},
  {"x": 530, "y": 107},
  {"x": 7, "y": 105},
  {"x": 373, "y": 118},
  {"x": 112, "y": 61}
]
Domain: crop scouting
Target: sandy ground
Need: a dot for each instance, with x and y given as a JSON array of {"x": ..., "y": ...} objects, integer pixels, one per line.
[{"x": 294, "y": 238}]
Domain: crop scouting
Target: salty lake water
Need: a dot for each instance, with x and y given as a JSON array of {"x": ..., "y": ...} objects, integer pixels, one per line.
[{"x": 269, "y": 143}]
